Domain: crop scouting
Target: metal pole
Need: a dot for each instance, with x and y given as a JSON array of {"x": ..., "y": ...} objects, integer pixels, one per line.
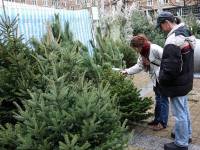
[
  {"x": 4, "y": 10},
  {"x": 184, "y": 3},
  {"x": 102, "y": 7},
  {"x": 159, "y": 7}
]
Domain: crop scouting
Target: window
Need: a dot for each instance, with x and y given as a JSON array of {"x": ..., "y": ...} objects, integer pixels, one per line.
[
  {"x": 34, "y": 2},
  {"x": 45, "y": 2},
  {"x": 64, "y": 4},
  {"x": 55, "y": 3},
  {"x": 78, "y": 2},
  {"x": 94, "y": 2},
  {"x": 166, "y": 1},
  {"x": 149, "y": 2}
]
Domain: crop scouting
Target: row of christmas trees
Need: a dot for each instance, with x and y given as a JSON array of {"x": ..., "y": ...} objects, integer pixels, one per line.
[{"x": 53, "y": 95}]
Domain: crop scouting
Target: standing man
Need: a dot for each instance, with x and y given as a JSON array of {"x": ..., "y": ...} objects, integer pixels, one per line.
[{"x": 176, "y": 76}]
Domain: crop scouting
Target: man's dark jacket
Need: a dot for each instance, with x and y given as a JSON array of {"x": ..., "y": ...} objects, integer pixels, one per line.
[{"x": 176, "y": 70}]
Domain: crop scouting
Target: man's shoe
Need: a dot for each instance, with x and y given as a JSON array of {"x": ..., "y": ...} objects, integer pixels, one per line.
[
  {"x": 172, "y": 146},
  {"x": 173, "y": 136},
  {"x": 152, "y": 123}
]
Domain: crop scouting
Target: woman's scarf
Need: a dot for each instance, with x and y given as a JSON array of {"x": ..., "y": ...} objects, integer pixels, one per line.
[{"x": 145, "y": 56}]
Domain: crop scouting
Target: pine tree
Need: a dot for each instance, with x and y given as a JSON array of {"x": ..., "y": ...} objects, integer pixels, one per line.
[
  {"x": 16, "y": 71},
  {"x": 116, "y": 52},
  {"x": 64, "y": 110},
  {"x": 108, "y": 54},
  {"x": 68, "y": 110},
  {"x": 8, "y": 136},
  {"x": 71, "y": 100},
  {"x": 129, "y": 55},
  {"x": 106, "y": 51},
  {"x": 132, "y": 107},
  {"x": 141, "y": 24},
  {"x": 193, "y": 24}
]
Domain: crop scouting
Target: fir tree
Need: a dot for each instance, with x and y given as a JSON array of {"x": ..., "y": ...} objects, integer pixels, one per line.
[
  {"x": 193, "y": 24},
  {"x": 128, "y": 100},
  {"x": 141, "y": 24},
  {"x": 64, "y": 110},
  {"x": 71, "y": 100},
  {"x": 116, "y": 52},
  {"x": 16, "y": 71},
  {"x": 68, "y": 114},
  {"x": 106, "y": 51}
]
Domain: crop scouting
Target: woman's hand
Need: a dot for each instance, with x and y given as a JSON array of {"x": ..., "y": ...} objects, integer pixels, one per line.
[
  {"x": 124, "y": 72},
  {"x": 146, "y": 62}
]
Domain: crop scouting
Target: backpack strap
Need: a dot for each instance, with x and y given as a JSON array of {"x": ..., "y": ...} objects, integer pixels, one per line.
[{"x": 155, "y": 64}]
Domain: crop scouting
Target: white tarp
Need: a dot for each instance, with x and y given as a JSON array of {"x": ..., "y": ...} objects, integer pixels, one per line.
[{"x": 33, "y": 20}]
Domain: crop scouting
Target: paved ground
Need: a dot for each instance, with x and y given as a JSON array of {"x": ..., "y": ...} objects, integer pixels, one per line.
[
  {"x": 149, "y": 142},
  {"x": 146, "y": 139}
]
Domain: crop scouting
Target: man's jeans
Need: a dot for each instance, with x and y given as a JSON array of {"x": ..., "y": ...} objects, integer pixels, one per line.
[
  {"x": 182, "y": 129},
  {"x": 161, "y": 108}
]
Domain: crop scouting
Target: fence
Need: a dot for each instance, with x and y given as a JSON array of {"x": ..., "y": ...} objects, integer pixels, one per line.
[{"x": 33, "y": 21}]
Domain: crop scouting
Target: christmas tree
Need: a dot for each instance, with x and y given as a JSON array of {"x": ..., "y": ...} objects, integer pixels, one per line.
[
  {"x": 16, "y": 71},
  {"x": 71, "y": 100},
  {"x": 131, "y": 105},
  {"x": 64, "y": 110}
]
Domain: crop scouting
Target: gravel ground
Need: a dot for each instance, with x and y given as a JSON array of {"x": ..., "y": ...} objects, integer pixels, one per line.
[
  {"x": 145, "y": 139},
  {"x": 149, "y": 142}
]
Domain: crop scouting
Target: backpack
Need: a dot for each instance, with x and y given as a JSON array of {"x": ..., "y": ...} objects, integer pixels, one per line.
[
  {"x": 197, "y": 56},
  {"x": 192, "y": 41},
  {"x": 195, "y": 45}
]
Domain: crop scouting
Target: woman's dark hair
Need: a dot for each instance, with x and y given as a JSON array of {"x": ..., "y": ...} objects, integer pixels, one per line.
[{"x": 177, "y": 20}]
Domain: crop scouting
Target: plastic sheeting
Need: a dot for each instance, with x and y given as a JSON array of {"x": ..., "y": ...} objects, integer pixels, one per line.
[{"x": 33, "y": 21}]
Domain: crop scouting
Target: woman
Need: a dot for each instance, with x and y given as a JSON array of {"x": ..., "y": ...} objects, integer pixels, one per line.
[
  {"x": 176, "y": 76},
  {"x": 149, "y": 60}
]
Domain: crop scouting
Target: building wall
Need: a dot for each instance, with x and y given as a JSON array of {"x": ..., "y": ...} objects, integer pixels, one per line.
[
  {"x": 153, "y": 4},
  {"x": 68, "y": 4},
  {"x": 79, "y": 4}
]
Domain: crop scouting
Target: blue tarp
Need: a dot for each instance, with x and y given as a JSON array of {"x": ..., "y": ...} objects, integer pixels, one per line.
[{"x": 33, "y": 21}]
